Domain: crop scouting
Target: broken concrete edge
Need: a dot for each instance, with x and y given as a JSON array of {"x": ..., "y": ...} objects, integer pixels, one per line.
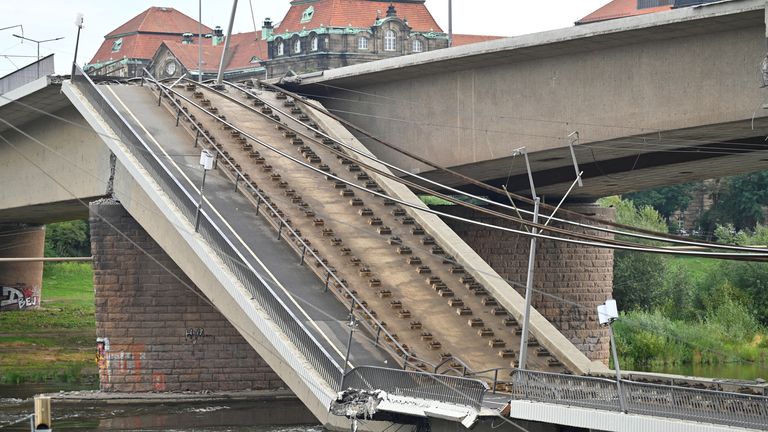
[
  {"x": 362, "y": 404},
  {"x": 144, "y": 201},
  {"x": 540, "y": 327},
  {"x": 97, "y": 397}
]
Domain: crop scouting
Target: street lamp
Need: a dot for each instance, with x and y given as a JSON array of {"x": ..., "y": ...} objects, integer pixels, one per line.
[
  {"x": 608, "y": 313},
  {"x": 38, "y": 42},
  {"x": 79, "y": 24},
  {"x": 206, "y": 161},
  {"x": 352, "y": 324}
]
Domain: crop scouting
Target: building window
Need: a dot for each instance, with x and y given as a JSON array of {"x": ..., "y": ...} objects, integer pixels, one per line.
[
  {"x": 116, "y": 45},
  {"x": 390, "y": 41},
  {"x": 362, "y": 43},
  {"x": 297, "y": 46},
  {"x": 315, "y": 44},
  {"x": 255, "y": 59},
  {"x": 280, "y": 48},
  {"x": 417, "y": 46}
]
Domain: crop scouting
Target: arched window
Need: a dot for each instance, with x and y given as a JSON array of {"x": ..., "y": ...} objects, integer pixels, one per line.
[
  {"x": 362, "y": 43},
  {"x": 390, "y": 41},
  {"x": 315, "y": 44},
  {"x": 416, "y": 46},
  {"x": 297, "y": 46},
  {"x": 280, "y": 48}
]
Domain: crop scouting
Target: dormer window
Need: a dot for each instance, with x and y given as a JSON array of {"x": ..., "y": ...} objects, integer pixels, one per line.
[
  {"x": 297, "y": 46},
  {"x": 390, "y": 41},
  {"x": 116, "y": 45},
  {"x": 417, "y": 46},
  {"x": 308, "y": 14},
  {"x": 314, "y": 44},
  {"x": 280, "y": 48},
  {"x": 254, "y": 59},
  {"x": 362, "y": 43}
]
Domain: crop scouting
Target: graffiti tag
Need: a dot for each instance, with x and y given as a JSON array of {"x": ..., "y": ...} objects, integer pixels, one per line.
[
  {"x": 18, "y": 297},
  {"x": 193, "y": 334}
]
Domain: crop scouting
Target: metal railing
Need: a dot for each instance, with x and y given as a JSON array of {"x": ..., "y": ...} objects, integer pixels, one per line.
[
  {"x": 708, "y": 406},
  {"x": 27, "y": 74},
  {"x": 286, "y": 231},
  {"x": 421, "y": 385},
  {"x": 225, "y": 250}
]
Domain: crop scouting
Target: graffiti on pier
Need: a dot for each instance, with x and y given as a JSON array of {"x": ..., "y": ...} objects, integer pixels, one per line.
[
  {"x": 193, "y": 334},
  {"x": 18, "y": 297}
]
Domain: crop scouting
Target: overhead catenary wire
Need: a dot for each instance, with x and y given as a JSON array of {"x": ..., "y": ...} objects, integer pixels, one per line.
[
  {"x": 478, "y": 208},
  {"x": 462, "y": 176},
  {"x": 423, "y": 208},
  {"x": 652, "y": 235}
]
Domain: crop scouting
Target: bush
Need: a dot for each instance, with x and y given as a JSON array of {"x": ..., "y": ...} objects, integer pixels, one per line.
[{"x": 68, "y": 239}]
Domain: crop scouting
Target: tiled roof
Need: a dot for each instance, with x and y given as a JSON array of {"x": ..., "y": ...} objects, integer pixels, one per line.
[
  {"x": 142, "y": 46},
  {"x": 243, "y": 47},
  {"x": 619, "y": 9},
  {"x": 248, "y": 45},
  {"x": 461, "y": 39},
  {"x": 159, "y": 20},
  {"x": 355, "y": 13}
]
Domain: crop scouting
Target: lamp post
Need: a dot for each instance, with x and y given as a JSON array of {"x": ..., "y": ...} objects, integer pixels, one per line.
[
  {"x": 206, "y": 161},
  {"x": 38, "y": 42},
  {"x": 606, "y": 314},
  {"x": 352, "y": 324},
  {"x": 79, "y": 24}
]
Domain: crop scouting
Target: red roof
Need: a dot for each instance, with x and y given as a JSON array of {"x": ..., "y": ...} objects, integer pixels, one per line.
[
  {"x": 461, "y": 39},
  {"x": 619, "y": 9},
  {"x": 143, "y": 34},
  {"x": 247, "y": 46},
  {"x": 142, "y": 46},
  {"x": 159, "y": 20},
  {"x": 242, "y": 49},
  {"x": 355, "y": 13}
]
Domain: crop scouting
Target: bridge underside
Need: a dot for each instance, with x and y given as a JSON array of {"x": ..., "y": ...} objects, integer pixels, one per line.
[{"x": 659, "y": 99}]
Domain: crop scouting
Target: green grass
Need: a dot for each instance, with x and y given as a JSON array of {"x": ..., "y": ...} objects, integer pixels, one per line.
[{"x": 55, "y": 343}]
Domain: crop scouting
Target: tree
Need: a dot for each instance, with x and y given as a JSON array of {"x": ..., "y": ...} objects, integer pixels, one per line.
[
  {"x": 68, "y": 239},
  {"x": 666, "y": 200},
  {"x": 740, "y": 202},
  {"x": 638, "y": 277}
]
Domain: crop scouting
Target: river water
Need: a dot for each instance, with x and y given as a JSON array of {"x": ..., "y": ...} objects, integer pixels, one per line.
[{"x": 220, "y": 416}]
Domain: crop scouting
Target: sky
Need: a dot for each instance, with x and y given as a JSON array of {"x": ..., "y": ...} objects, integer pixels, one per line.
[{"x": 49, "y": 19}]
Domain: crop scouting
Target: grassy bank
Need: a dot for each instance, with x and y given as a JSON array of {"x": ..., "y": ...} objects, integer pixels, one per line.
[{"x": 57, "y": 342}]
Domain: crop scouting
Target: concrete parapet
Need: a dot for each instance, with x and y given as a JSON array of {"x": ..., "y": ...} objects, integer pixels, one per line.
[{"x": 156, "y": 330}]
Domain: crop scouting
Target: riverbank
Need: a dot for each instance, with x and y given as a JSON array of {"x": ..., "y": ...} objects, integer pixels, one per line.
[{"x": 55, "y": 343}]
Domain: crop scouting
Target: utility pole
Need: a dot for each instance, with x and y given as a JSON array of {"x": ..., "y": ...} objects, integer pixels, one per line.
[
  {"x": 450, "y": 23},
  {"x": 531, "y": 268},
  {"x": 220, "y": 77},
  {"x": 200, "y": 42},
  {"x": 38, "y": 47}
]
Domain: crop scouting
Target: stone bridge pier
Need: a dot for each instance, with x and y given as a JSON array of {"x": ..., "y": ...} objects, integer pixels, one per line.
[
  {"x": 570, "y": 280},
  {"x": 155, "y": 330},
  {"x": 21, "y": 282}
]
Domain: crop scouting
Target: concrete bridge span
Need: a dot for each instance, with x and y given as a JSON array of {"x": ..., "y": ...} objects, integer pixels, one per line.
[{"x": 657, "y": 99}]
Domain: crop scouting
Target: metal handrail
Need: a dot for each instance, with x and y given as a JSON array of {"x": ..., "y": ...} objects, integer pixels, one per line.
[
  {"x": 293, "y": 328},
  {"x": 421, "y": 385},
  {"x": 659, "y": 400},
  {"x": 329, "y": 273}
]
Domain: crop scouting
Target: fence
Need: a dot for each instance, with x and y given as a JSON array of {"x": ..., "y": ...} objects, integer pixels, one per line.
[
  {"x": 657, "y": 400},
  {"x": 27, "y": 74}
]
